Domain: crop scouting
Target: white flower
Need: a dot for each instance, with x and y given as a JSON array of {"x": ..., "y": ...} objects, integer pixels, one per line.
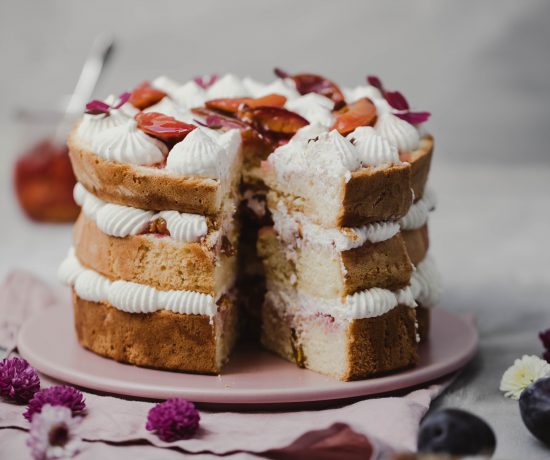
[
  {"x": 54, "y": 433},
  {"x": 525, "y": 371}
]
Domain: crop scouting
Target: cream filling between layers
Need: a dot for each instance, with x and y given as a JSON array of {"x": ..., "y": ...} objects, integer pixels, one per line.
[
  {"x": 129, "y": 296},
  {"x": 297, "y": 228},
  {"x": 122, "y": 221},
  {"x": 369, "y": 303},
  {"x": 418, "y": 213},
  {"x": 426, "y": 284}
]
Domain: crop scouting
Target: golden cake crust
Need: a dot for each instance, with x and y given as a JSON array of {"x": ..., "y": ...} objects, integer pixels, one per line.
[
  {"x": 163, "y": 340},
  {"x": 160, "y": 262},
  {"x": 330, "y": 273},
  {"x": 382, "y": 344},
  {"x": 373, "y": 346},
  {"x": 142, "y": 187},
  {"x": 417, "y": 243},
  {"x": 373, "y": 195},
  {"x": 420, "y": 161}
]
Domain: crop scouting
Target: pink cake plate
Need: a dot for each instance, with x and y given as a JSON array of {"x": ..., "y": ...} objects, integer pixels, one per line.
[{"x": 252, "y": 379}]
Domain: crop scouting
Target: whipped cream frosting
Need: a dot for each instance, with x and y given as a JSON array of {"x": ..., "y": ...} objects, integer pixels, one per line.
[
  {"x": 374, "y": 150},
  {"x": 353, "y": 94},
  {"x": 129, "y": 296},
  {"x": 126, "y": 143},
  {"x": 190, "y": 95},
  {"x": 417, "y": 216},
  {"x": 369, "y": 303},
  {"x": 169, "y": 107},
  {"x": 315, "y": 152},
  {"x": 227, "y": 86},
  {"x": 163, "y": 83},
  {"x": 313, "y": 107},
  {"x": 92, "y": 125},
  {"x": 295, "y": 227},
  {"x": 426, "y": 284},
  {"x": 204, "y": 152},
  {"x": 397, "y": 131},
  {"x": 284, "y": 87},
  {"x": 122, "y": 221}
]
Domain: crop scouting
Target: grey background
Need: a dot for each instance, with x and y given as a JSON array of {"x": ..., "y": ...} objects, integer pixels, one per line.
[{"x": 482, "y": 68}]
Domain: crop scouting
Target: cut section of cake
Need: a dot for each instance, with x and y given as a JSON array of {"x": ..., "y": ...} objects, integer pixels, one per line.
[
  {"x": 369, "y": 333},
  {"x": 426, "y": 282},
  {"x": 139, "y": 324}
]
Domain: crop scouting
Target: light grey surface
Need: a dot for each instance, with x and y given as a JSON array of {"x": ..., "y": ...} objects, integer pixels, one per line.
[{"x": 482, "y": 68}]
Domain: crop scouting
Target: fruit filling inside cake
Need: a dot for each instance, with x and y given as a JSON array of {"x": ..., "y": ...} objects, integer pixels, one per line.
[{"x": 294, "y": 210}]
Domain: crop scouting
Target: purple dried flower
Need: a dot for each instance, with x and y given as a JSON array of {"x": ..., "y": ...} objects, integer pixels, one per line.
[
  {"x": 546, "y": 356},
  {"x": 396, "y": 100},
  {"x": 376, "y": 82},
  {"x": 414, "y": 118},
  {"x": 399, "y": 103},
  {"x": 59, "y": 395},
  {"x": 54, "y": 434},
  {"x": 545, "y": 339},
  {"x": 122, "y": 99},
  {"x": 206, "y": 81},
  {"x": 18, "y": 380},
  {"x": 173, "y": 419},
  {"x": 97, "y": 107},
  {"x": 281, "y": 73}
]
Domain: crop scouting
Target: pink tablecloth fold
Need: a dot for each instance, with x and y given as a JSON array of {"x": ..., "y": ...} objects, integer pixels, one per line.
[{"x": 363, "y": 429}]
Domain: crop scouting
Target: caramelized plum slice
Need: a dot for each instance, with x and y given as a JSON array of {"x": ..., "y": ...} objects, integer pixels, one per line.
[
  {"x": 145, "y": 96},
  {"x": 163, "y": 127},
  {"x": 231, "y": 105},
  {"x": 312, "y": 83},
  {"x": 359, "y": 113},
  {"x": 272, "y": 119}
]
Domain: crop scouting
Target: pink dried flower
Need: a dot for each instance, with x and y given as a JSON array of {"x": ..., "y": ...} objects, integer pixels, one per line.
[
  {"x": 399, "y": 103},
  {"x": 18, "y": 380},
  {"x": 173, "y": 419},
  {"x": 206, "y": 81},
  {"x": 59, "y": 395},
  {"x": 97, "y": 107},
  {"x": 54, "y": 434}
]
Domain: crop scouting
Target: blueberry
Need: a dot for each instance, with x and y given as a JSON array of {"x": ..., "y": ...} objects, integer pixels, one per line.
[
  {"x": 455, "y": 432},
  {"x": 534, "y": 406}
]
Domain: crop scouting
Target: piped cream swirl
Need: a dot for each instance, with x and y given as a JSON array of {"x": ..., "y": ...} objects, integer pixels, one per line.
[
  {"x": 374, "y": 150},
  {"x": 197, "y": 155},
  {"x": 128, "y": 144},
  {"x": 417, "y": 216},
  {"x": 426, "y": 283},
  {"x": 129, "y": 296},
  {"x": 398, "y": 132},
  {"x": 369, "y": 303},
  {"x": 92, "y": 126},
  {"x": 122, "y": 221},
  {"x": 296, "y": 228}
]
